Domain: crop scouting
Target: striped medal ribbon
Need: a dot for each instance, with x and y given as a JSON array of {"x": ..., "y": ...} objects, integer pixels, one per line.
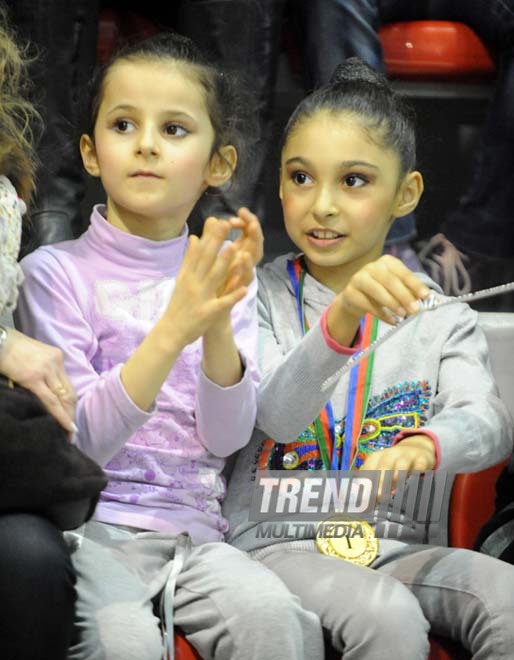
[{"x": 358, "y": 392}]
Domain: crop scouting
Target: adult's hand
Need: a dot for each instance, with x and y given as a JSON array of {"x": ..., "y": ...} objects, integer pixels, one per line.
[{"x": 40, "y": 369}]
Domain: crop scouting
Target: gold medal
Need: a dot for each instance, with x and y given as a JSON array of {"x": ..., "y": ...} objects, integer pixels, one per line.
[{"x": 353, "y": 540}]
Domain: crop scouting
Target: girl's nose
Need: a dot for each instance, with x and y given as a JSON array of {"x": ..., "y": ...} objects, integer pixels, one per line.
[
  {"x": 325, "y": 204},
  {"x": 148, "y": 144}
]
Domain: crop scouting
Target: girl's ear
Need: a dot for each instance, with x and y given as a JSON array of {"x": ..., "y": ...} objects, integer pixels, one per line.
[
  {"x": 409, "y": 194},
  {"x": 221, "y": 166},
  {"x": 88, "y": 153}
]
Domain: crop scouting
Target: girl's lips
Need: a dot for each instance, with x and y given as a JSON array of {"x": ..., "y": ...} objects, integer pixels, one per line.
[
  {"x": 146, "y": 175},
  {"x": 325, "y": 242}
]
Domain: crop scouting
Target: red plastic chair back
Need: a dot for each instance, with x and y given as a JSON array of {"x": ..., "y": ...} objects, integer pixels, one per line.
[
  {"x": 471, "y": 505},
  {"x": 183, "y": 649},
  {"x": 445, "y": 649},
  {"x": 434, "y": 49}
]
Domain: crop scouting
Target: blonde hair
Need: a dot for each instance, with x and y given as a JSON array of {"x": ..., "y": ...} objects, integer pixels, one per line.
[{"x": 18, "y": 117}]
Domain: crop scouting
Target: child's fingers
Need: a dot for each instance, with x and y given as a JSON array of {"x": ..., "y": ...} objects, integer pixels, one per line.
[
  {"x": 391, "y": 289},
  {"x": 388, "y": 460},
  {"x": 391, "y": 265},
  {"x": 372, "y": 285},
  {"x": 375, "y": 462},
  {"x": 219, "y": 271},
  {"x": 190, "y": 256},
  {"x": 237, "y": 223},
  {"x": 252, "y": 242},
  {"x": 394, "y": 299},
  {"x": 234, "y": 277},
  {"x": 241, "y": 273},
  {"x": 215, "y": 233},
  {"x": 227, "y": 301},
  {"x": 354, "y": 302},
  {"x": 245, "y": 214},
  {"x": 421, "y": 463},
  {"x": 368, "y": 297},
  {"x": 400, "y": 284},
  {"x": 402, "y": 463},
  {"x": 398, "y": 459},
  {"x": 392, "y": 458},
  {"x": 371, "y": 462},
  {"x": 256, "y": 237},
  {"x": 243, "y": 219},
  {"x": 247, "y": 266}
]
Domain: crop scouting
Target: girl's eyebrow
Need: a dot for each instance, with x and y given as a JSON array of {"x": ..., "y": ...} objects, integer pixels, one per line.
[
  {"x": 179, "y": 114},
  {"x": 297, "y": 159},
  {"x": 358, "y": 163},
  {"x": 122, "y": 106},
  {"x": 347, "y": 164},
  {"x": 126, "y": 107}
]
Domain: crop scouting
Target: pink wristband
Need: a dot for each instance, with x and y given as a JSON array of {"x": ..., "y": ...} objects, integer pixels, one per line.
[{"x": 331, "y": 343}]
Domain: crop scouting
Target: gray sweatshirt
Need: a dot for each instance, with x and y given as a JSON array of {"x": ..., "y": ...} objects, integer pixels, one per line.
[{"x": 435, "y": 371}]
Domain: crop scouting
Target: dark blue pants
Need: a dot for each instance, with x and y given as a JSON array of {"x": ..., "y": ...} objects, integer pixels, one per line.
[
  {"x": 37, "y": 590},
  {"x": 337, "y": 29}
]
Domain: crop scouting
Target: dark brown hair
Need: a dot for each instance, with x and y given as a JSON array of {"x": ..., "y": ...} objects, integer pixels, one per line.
[
  {"x": 228, "y": 104},
  {"x": 18, "y": 117},
  {"x": 358, "y": 89}
]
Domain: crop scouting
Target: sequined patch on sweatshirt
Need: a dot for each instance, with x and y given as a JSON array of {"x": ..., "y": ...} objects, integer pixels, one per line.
[{"x": 399, "y": 408}]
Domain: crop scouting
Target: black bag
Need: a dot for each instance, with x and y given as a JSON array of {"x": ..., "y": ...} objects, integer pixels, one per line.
[{"x": 40, "y": 470}]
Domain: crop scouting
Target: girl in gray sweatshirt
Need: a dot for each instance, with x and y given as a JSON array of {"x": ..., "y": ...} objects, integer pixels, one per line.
[{"x": 424, "y": 402}]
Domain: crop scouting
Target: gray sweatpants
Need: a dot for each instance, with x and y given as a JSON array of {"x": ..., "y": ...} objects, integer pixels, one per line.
[
  {"x": 229, "y": 606},
  {"x": 386, "y": 611}
]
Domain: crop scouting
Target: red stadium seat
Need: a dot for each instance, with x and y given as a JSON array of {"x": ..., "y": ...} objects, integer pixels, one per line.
[
  {"x": 444, "y": 649},
  {"x": 471, "y": 505},
  {"x": 434, "y": 49},
  {"x": 183, "y": 649}
]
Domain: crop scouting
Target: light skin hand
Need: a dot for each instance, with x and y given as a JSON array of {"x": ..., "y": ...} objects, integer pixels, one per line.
[
  {"x": 193, "y": 308},
  {"x": 249, "y": 249},
  {"x": 383, "y": 288},
  {"x": 40, "y": 369},
  {"x": 221, "y": 362},
  {"x": 415, "y": 453},
  {"x": 196, "y": 302}
]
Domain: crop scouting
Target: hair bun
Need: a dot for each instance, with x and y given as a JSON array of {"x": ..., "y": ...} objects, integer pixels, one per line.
[{"x": 355, "y": 70}]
